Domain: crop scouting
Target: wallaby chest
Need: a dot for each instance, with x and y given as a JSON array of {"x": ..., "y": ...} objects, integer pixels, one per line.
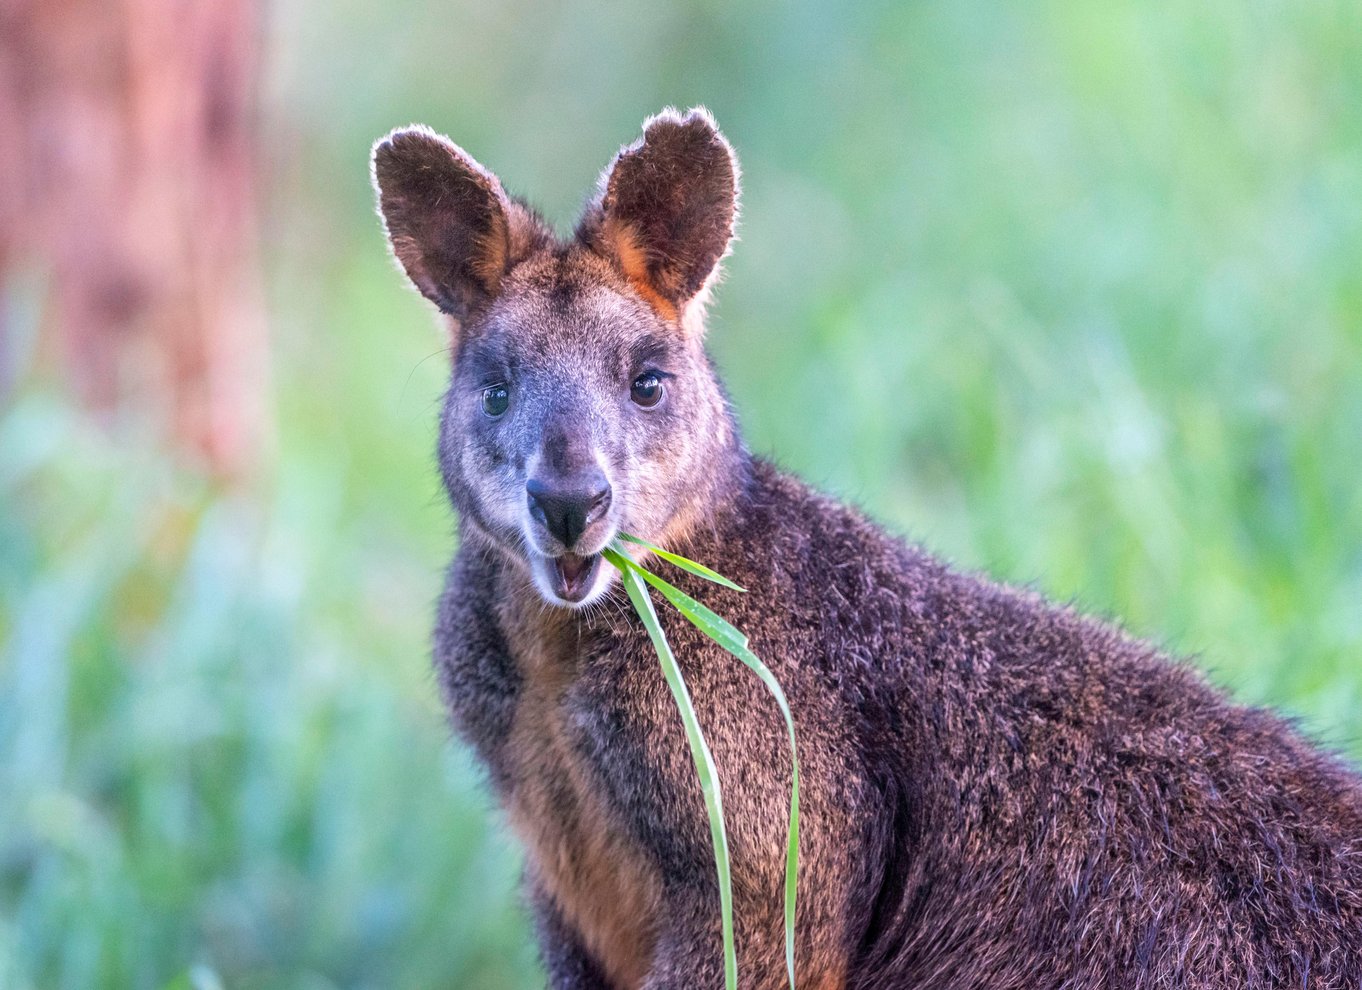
[{"x": 600, "y": 880}]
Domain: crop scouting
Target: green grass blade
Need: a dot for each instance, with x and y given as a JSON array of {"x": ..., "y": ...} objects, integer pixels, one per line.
[
  {"x": 720, "y": 630},
  {"x": 704, "y": 760},
  {"x": 728, "y": 636},
  {"x": 685, "y": 563}
]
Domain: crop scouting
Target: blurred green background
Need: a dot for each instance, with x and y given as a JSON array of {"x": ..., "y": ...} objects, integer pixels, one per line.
[{"x": 1069, "y": 292}]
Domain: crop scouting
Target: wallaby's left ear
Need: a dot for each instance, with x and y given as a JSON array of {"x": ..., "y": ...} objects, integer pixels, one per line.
[{"x": 667, "y": 209}]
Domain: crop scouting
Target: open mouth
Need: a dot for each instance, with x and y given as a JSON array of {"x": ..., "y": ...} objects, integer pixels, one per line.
[{"x": 572, "y": 577}]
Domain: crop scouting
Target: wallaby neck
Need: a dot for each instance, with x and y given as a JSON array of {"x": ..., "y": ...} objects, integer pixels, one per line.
[{"x": 709, "y": 510}]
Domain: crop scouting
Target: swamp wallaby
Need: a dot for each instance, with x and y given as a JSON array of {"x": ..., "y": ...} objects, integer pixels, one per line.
[{"x": 998, "y": 793}]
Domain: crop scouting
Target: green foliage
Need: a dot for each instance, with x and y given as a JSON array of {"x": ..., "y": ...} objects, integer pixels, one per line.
[{"x": 1068, "y": 291}]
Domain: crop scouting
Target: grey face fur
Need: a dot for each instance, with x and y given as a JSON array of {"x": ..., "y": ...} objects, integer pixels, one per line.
[{"x": 581, "y": 400}]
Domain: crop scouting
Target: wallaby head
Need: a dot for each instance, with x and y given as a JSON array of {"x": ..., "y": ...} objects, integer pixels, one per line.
[{"x": 581, "y": 401}]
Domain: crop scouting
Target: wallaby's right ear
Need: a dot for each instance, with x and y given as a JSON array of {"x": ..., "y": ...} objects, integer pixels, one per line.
[{"x": 450, "y": 224}]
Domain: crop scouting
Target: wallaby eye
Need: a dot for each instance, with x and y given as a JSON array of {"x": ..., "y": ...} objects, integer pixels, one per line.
[
  {"x": 495, "y": 399},
  {"x": 647, "y": 390}
]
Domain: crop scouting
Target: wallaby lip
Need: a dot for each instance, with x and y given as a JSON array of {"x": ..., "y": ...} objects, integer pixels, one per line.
[{"x": 572, "y": 576}]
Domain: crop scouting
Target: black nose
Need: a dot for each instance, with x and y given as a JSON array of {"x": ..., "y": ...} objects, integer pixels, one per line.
[{"x": 566, "y": 507}]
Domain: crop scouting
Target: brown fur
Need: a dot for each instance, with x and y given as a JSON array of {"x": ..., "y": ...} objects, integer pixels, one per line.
[
  {"x": 997, "y": 792},
  {"x": 602, "y": 882}
]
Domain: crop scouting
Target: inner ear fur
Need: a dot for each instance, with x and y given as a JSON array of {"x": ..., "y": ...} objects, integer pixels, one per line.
[
  {"x": 451, "y": 226},
  {"x": 667, "y": 208}
]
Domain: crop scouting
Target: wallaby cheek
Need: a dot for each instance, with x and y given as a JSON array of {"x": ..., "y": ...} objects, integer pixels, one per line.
[
  {"x": 657, "y": 473},
  {"x": 493, "y": 484}
]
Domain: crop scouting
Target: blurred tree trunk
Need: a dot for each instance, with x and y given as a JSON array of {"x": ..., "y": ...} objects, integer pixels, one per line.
[{"x": 127, "y": 143}]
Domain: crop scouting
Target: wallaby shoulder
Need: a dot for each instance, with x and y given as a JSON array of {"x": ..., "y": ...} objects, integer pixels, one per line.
[{"x": 1058, "y": 777}]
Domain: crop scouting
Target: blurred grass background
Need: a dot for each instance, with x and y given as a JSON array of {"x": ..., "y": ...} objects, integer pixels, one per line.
[{"x": 1070, "y": 292}]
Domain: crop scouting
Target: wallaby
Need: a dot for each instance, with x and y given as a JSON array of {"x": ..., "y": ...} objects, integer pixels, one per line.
[{"x": 997, "y": 792}]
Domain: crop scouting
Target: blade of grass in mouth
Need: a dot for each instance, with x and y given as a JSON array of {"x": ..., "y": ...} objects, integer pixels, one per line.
[
  {"x": 704, "y": 760},
  {"x": 736, "y": 643},
  {"x": 685, "y": 563}
]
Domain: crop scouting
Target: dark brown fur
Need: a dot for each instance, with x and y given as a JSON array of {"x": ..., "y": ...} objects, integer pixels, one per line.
[{"x": 998, "y": 792}]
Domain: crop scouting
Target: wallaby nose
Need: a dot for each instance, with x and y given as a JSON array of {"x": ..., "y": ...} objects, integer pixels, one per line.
[{"x": 568, "y": 506}]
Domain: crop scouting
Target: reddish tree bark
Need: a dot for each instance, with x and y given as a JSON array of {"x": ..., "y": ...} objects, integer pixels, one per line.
[{"x": 127, "y": 139}]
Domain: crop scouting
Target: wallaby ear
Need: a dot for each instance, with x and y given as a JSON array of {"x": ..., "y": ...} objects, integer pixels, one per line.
[
  {"x": 667, "y": 209},
  {"x": 449, "y": 223}
]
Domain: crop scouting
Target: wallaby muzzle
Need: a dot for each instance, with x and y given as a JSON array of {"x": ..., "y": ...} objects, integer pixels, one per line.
[{"x": 567, "y": 506}]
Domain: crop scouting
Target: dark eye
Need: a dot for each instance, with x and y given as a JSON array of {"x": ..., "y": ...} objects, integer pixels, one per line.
[
  {"x": 647, "y": 390},
  {"x": 495, "y": 399}
]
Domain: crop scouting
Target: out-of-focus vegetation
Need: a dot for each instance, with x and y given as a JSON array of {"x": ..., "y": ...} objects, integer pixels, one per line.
[{"x": 1070, "y": 292}]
